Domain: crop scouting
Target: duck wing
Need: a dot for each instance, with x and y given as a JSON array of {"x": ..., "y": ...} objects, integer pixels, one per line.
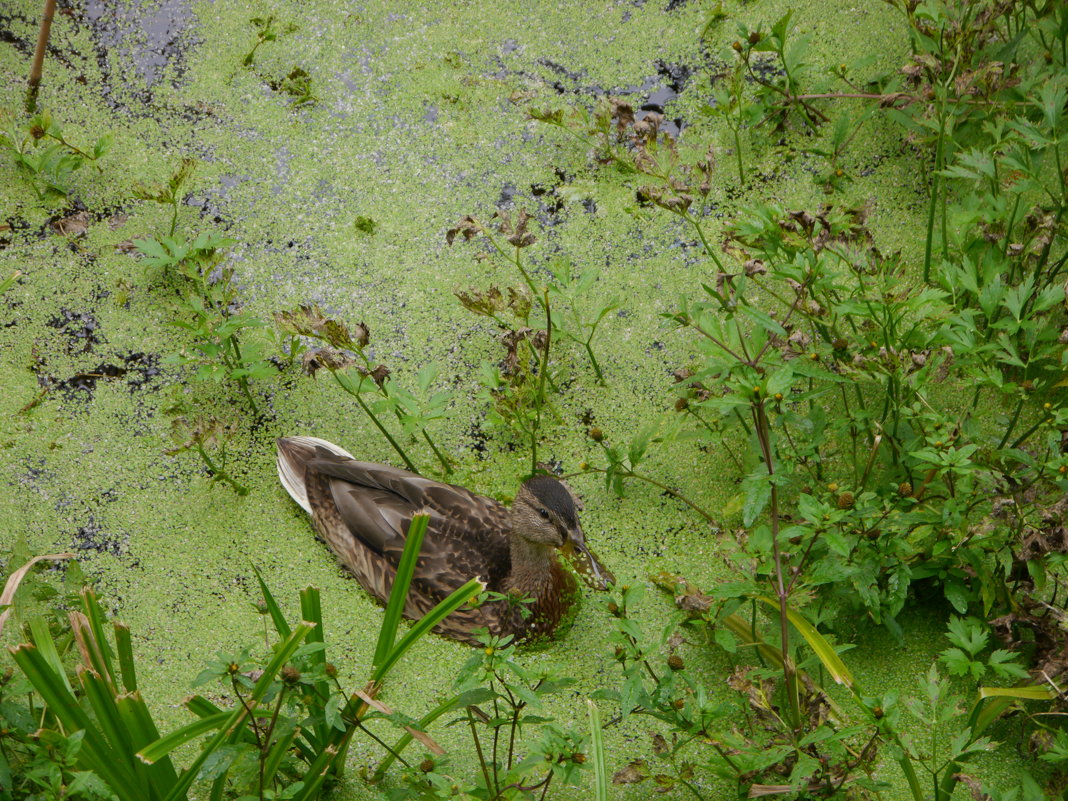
[{"x": 467, "y": 534}]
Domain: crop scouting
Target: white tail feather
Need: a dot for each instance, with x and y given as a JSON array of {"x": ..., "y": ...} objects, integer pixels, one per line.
[{"x": 292, "y": 475}]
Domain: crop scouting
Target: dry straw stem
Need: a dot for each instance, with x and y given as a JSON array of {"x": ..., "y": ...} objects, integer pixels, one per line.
[
  {"x": 34, "y": 81},
  {"x": 13, "y": 581},
  {"x": 421, "y": 736}
]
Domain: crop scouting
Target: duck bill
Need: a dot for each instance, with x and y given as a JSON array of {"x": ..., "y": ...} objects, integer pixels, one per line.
[{"x": 586, "y": 563}]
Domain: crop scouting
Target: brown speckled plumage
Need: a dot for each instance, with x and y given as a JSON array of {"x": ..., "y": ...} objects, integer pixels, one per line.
[{"x": 362, "y": 510}]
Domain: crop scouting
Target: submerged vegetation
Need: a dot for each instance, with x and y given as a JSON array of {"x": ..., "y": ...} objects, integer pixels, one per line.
[{"x": 895, "y": 421}]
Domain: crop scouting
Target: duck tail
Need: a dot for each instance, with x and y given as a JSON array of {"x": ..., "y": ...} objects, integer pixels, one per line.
[{"x": 293, "y": 454}]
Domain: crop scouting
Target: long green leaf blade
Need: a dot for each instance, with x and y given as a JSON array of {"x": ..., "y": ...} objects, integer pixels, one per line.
[
  {"x": 457, "y": 599},
  {"x": 311, "y": 610},
  {"x": 279, "y": 620},
  {"x": 42, "y": 638},
  {"x": 95, "y": 754},
  {"x": 124, "y": 647},
  {"x": 398, "y": 595},
  {"x": 138, "y": 721},
  {"x": 157, "y": 750},
  {"x": 818, "y": 643},
  {"x": 600, "y": 771}
]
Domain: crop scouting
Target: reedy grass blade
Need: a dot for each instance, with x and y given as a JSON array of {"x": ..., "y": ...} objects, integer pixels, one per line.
[
  {"x": 102, "y": 702},
  {"x": 600, "y": 771},
  {"x": 1031, "y": 692},
  {"x": 157, "y": 750},
  {"x": 741, "y": 629},
  {"x": 279, "y": 620},
  {"x": 95, "y": 755},
  {"x": 316, "y": 774},
  {"x": 277, "y": 754},
  {"x": 42, "y": 638},
  {"x": 11, "y": 586},
  {"x": 201, "y": 706},
  {"x": 94, "y": 614},
  {"x": 398, "y": 595},
  {"x": 426, "y": 623},
  {"x": 311, "y": 611},
  {"x": 138, "y": 721},
  {"x": 124, "y": 647}
]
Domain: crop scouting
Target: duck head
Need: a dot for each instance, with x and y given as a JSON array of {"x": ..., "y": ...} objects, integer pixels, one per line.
[{"x": 545, "y": 513}]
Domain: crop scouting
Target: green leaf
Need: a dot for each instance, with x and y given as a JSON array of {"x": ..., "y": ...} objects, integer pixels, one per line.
[
  {"x": 763, "y": 319},
  {"x": 818, "y": 643},
  {"x": 600, "y": 771},
  {"x": 757, "y": 486},
  {"x": 453, "y": 602},
  {"x": 398, "y": 595},
  {"x": 277, "y": 618}
]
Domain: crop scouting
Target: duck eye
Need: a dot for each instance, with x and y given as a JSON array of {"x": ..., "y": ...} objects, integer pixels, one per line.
[{"x": 544, "y": 514}]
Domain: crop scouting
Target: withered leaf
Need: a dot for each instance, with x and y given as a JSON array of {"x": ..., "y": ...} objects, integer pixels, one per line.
[
  {"x": 74, "y": 225},
  {"x": 379, "y": 374},
  {"x": 517, "y": 235},
  {"x": 488, "y": 302},
  {"x": 469, "y": 227},
  {"x": 310, "y": 321},
  {"x": 633, "y": 773},
  {"x": 660, "y": 745},
  {"x": 324, "y": 358}
]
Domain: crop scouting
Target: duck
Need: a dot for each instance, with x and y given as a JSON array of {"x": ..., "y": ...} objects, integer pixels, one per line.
[{"x": 362, "y": 510}]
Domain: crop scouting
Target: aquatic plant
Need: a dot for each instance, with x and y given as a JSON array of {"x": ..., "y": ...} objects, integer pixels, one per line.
[
  {"x": 363, "y": 380},
  {"x": 813, "y": 342},
  {"x": 208, "y": 437},
  {"x": 227, "y": 344},
  {"x": 267, "y": 30},
  {"x": 47, "y": 158},
  {"x": 516, "y": 389},
  {"x": 497, "y": 700},
  {"x": 172, "y": 192},
  {"x": 286, "y": 735}
]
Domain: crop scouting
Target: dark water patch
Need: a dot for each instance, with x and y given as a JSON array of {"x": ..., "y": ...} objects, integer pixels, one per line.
[
  {"x": 138, "y": 369},
  {"x": 92, "y": 537},
  {"x": 550, "y": 203},
  {"x": 80, "y": 328},
  {"x": 652, "y": 95},
  {"x": 27, "y": 44},
  {"x": 134, "y": 42},
  {"x": 508, "y": 191}
]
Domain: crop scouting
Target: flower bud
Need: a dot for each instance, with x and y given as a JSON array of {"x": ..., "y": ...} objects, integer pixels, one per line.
[{"x": 290, "y": 675}]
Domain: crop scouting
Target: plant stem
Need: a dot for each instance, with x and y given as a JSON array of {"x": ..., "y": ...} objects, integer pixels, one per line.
[
  {"x": 763, "y": 430},
  {"x": 541, "y": 384},
  {"x": 36, "y": 69},
  {"x": 481, "y": 757},
  {"x": 441, "y": 457},
  {"x": 367, "y": 410},
  {"x": 935, "y": 186},
  {"x": 628, "y": 473},
  {"x": 243, "y": 381},
  {"x": 219, "y": 472}
]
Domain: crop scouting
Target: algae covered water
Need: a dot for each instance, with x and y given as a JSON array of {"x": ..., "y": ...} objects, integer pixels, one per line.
[{"x": 336, "y": 144}]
